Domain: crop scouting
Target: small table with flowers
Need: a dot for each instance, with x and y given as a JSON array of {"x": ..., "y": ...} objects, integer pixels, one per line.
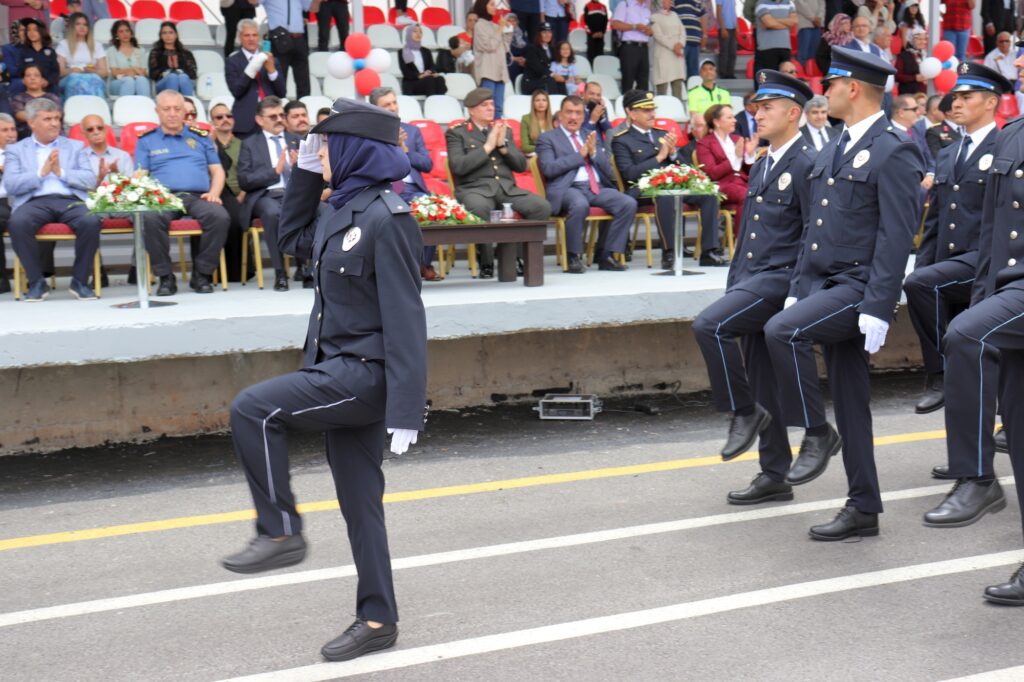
[{"x": 678, "y": 181}]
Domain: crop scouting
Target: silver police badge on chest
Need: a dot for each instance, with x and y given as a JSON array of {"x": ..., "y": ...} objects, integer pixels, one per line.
[
  {"x": 351, "y": 239},
  {"x": 784, "y": 181},
  {"x": 862, "y": 157},
  {"x": 985, "y": 162}
]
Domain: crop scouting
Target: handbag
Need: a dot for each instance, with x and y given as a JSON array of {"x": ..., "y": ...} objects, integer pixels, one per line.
[{"x": 281, "y": 38}]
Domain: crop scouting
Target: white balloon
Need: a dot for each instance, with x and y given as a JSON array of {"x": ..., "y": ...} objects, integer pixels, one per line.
[
  {"x": 930, "y": 67},
  {"x": 379, "y": 60},
  {"x": 340, "y": 65}
]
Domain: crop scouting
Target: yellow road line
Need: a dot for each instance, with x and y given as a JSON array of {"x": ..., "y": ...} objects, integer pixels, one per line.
[{"x": 413, "y": 495}]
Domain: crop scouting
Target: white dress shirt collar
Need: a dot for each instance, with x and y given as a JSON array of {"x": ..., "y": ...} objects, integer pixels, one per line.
[{"x": 858, "y": 130}]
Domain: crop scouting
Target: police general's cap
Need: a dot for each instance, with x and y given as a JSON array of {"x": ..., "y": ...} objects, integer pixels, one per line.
[
  {"x": 360, "y": 119},
  {"x": 773, "y": 84},
  {"x": 544, "y": 26},
  {"x": 638, "y": 99},
  {"x": 972, "y": 76},
  {"x": 478, "y": 96},
  {"x": 861, "y": 66}
]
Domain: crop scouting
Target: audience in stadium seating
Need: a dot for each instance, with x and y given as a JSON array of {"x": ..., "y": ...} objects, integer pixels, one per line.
[
  {"x": 296, "y": 121},
  {"x": 8, "y": 136},
  {"x": 563, "y": 70},
  {"x": 127, "y": 62},
  {"x": 251, "y": 75},
  {"x": 38, "y": 50},
  {"x": 597, "y": 115},
  {"x": 668, "y": 56},
  {"x": 419, "y": 76},
  {"x": 539, "y": 120},
  {"x": 1002, "y": 56},
  {"x": 698, "y": 130},
  {"x": 908, "y": 64},
  {"x": 83, "y": 62},
  {"x": 322, "y": 113},
  {"x": 529, "y": 13},
  {"x": 839, "y": 34},
  {"x": 102, "y": 158},
  {"x": 228, "y": 149},
  {"x": 516, "y": 49},
  {"x": 171, "y": 66},
  {"x": 234, "y": 13},
  {"x": 490, "y": 45},
  {"x": 288, "y": 43},
  {"x": 911, "y": 20},
  {"x": 35, "y": 87},
  {"x": 810, "y": 22},
  {"x": 11, "y": 53},
  {"x": 693, "y": 13},
  {"x": 537, "y": 72},
  {"x": 725, "y": 156},
  {"x": 817, "y": 130}
]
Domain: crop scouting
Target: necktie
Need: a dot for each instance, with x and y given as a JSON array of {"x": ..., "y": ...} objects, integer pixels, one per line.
[
  {"x": 844, "y": 139},
  {"x": 286, "y": 173},
  {"x": 595, "y": 186},
  {"x": 769, "y": 161},
  {"x": 961, "y": 159}
]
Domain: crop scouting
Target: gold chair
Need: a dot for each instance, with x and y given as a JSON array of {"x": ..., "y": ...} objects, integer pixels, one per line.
[
  {"x": 920, "y": 230},
  {"x": 253, "y": 234},
  {"x": 189, "y": 227},
  {"x": 53, "y": 232}
]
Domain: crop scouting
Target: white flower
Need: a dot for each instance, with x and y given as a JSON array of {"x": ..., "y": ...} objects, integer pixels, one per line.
[
  {"x": 90, "y": 204},
  {"x": 131, "y": 196}
]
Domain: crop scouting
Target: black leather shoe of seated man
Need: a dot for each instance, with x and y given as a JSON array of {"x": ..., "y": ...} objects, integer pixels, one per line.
[
  {"x": 167, "y": 286},
  {"x": 265, "y": 553},
  {"x": 360, "y": 639},
  {"x": 200, "y": 283},
  {"x": 713, "y": 258},
  {"x": 576, "y": 266}
]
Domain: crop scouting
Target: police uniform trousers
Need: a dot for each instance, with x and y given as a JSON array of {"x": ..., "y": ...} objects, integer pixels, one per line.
[
  {"x": 481, "y": 201},
  {"x": 931, "y": 291},
  {"x": 614, "y": 234},
  {"x": 829, "y": 317},
  {"x": 984, "y": 351},
  {"x": 27, "y": 219},
  {"x": 214, "y": 220},
  {"x": 730, "y": 333},
  {"x": 345, "y": 398},
  {"x": 268, "y": 210}
]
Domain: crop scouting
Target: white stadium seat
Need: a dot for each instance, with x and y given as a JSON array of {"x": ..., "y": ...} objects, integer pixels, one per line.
[
  {"x": 318, "y": 64},
  {"x": 670, "y": 107},
  {"x": 211, "y": 85},
  {"x": 583, "y": 69},
  {"x": 78, "y": 107},
  {"x": 409, "y": 108},
  {"x": 388, "y": 80},
  {"x": 383, "y": 35},
  {"x": 578, "y": 40},
  {"x": 134, "y": 108},
  {"x": 226, "y": 100},
  {"x": 200, "y": 110},
  {"x": 459, "y": 84},
  {"x": 100, "y": 31},
  {"x": 315, "y": 103},
  {"x": 147, "y": 32},
  {"x": 208, "y": 61},
  {"x": 314, "y": 85},
  {"x": 692, "y": 82},
  {"x": 194, "y": 33},
  {"x": 609, "y": 84},
  {"x": 516, "y": 106},
  {"x": 429, "y": 40},
  {"x": 337, "y": 87},
  {"x": 443, "y": 109},
  {"x": 445, "y": 33},
  {"x": 608, "y": 64}
]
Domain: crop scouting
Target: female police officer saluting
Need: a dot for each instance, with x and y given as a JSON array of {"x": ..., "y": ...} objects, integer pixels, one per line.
[{"x": 365, "y": 360}]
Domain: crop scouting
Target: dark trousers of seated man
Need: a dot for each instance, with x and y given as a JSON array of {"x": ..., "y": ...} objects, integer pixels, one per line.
[
  {"x": 935, "y": 293},
  {"x": 27, "y": 219},
  {"x": 665, "y": 217},
  {"x": 480, "y": 202},
  {"x": 268, "y": 210},
  {"x": 614, "y": 235},
  {"x": 214, "y": 220}
]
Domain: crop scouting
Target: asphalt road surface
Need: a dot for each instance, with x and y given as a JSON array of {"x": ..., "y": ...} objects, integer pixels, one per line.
[{"x": 523, "y": 550}]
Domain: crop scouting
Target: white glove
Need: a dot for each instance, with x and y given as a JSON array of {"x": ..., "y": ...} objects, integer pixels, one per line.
[
  {"x": 309, "y": 153},
  {"x": 255, "y": 64},
  {"x": 874, "y": 331},
  {"x": 790, "y": 300},
  {"x": 401, "y": 439}
]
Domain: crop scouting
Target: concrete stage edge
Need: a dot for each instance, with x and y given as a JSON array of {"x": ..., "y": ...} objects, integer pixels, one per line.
[{"x": 76, "y": 374}]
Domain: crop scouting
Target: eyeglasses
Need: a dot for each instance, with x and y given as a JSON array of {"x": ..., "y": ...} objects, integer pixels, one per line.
[
  {"x": 190, "y": 114},
  {"x": 1003, "y": 41},
  {"x": 222, "y": 117},
  {"x": 908, "y": 108},
  {"x": 93, "y": 129},
  {"x": 273, "y": 117}
]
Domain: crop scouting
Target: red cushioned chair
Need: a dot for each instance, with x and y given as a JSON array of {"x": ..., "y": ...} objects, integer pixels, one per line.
[
  {"x": 393, "y": 15},
  {"x": 186, "y": 10},
  {"x": 517, "y": 131},
  {"x": 130, "y": 135},
  {"x": 437, "y": 186},
  {"x": 811, "y": 69},
  {"x": 433, "y": 134},
  {"x": 148, "y": 9},
  {"x": 57, "y": 8},
  {"x": 188, "y": 227},
  {"x": 53, "y": 232},
  {"x": 117, "y": 9},
  {"x": 372, "y": 15},
  {"x": 975, "y": 48},
  {"x": 435, "y": 17},
  {"x": 440, "y": 159}
]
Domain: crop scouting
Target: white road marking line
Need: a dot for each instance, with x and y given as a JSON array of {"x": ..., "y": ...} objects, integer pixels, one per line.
[
  {"x": 627, "y": 621},
  {"x": 1005, "y": 675},
  {"x": 439, "y": 558}
]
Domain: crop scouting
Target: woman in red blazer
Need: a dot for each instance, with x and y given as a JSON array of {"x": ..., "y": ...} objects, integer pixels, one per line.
[{"x": 728, "y": 170}]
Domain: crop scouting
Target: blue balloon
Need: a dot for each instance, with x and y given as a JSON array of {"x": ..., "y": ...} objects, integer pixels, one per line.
[
  {"x": 948, "y": 64},
  {"x": 360, "y": 64}
]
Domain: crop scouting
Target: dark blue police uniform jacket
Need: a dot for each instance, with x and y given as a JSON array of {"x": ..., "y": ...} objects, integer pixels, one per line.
[
  {"x": 862, "y": 220},
  {"x": 366, "y": 265},
  {"x": 1001, "y": 247}
]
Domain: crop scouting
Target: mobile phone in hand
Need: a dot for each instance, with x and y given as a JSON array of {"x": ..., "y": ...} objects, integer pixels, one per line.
[{"x": 265, "y": 46}]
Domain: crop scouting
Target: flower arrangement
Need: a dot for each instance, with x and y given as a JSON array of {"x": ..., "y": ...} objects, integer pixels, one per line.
[
  {"x": 124, "y": 194},
  {"x": 431, "y": 209},
  {"x": 677, "y": 177}
]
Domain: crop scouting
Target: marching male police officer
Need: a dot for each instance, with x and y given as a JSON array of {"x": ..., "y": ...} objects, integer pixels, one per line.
[
  {"x": 639, "y": 148},
  {"x": 365, "y": 360},
  {"x": 774, "y": 214},
  {"x": 984, "y": 346},
  {"x": 846, "y": 285}
]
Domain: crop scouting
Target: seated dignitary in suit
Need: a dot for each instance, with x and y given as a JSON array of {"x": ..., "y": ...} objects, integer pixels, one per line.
[
  {"x": 482, "y": 157},
  {"x": 186, "y": 162},
  {"x": 817, "y": 131},
  {"x": 846, "y": 285},
  {"x": 578, "y": 174},
  {"x": 941, "y": 283},
  {"x": 8, "y": 136},
  {"x": 730, "y": 332},
  {"x": 365, "y": 368},
  {"x": 640, "y": 147},
  {"x": 47, "y": 177},
  {"x": 251, "y": 75},
  {"x": 264, "y": 166}
]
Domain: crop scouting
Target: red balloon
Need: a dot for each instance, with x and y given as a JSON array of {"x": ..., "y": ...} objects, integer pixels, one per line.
[
  {"x": 942, "y": 51},
  {"x": 945, "y": 81},
  {"x": 358, "y": 45},
  {"x": 368, "y": 79}
]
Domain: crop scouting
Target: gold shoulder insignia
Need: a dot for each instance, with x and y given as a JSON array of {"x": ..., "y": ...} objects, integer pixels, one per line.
[
  {"x": 202, "y": 132},
  {"x": 151, "y": 130},
  {"x": 621, "y": 132}
]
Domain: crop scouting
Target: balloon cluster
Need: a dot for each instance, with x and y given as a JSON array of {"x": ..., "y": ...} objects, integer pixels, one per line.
[
  {"x": 360, "y": 59},
  {"x": 941, "y": 66}
]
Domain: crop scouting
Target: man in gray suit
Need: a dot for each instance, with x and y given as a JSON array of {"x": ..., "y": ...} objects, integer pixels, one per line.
[
  {"x": 579, "y": 175},
  {"x": 817, "y": 131}
]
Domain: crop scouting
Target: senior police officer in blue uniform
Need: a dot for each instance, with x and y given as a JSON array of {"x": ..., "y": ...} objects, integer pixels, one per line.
[
  {"x": 185, "y": 160},
  {"x": 639, "y": 148},
  {"x": 365, "y": 360},
  {"x": 847, "y": 284},
  {"x": 984, "y": 345},
  {"x": 774, "y": 215}
]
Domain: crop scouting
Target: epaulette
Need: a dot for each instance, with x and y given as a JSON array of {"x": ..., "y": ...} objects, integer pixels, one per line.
[
  {"x": 900, "y": 135},
  {"x": 760, "y": 153},
  {"x": 395, "y": 203},
  {"x": 202, "y": 132},
  {"x": 622, "y": 132},
  {"x": 459, "y": 125},
  {"x": 1013, "y": 122},
  {"x": 809, "y": 151},
  {"x": 151, "y": 130}
]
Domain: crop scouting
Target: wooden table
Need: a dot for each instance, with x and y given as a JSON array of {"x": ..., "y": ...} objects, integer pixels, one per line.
[{"x": 530, "y": 233}]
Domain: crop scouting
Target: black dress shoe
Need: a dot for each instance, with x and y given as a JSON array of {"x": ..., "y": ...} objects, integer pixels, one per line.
[
  {"x": 815, "y": 452},
  {"x": 360, "y": 639},
  {"x": 668, "y": 260},
  {"x": 1001, "y": 443},
  {"x": 132, "y": 278},
  {"x": 486, "y": 271},
  {"x": 966, "y": 503},
  {"x": 1010, "y": 593},
  {"x": 264, "y": 554},
  {"x": 761, "y": 489},
  {"x": 934, "y": 395},
  {"x": 713, "y": 258},
  {"x": 280, "y": 280},
  {"x": 167, "y": 286},
  {"x": 200, "y": 283},
  {"x": 743, "y": 430},
  {"x": 301, "y": 273},
  {"x": 308, "y": 283},
  {"x": 576, "y": 266},
  {"x": 941, "y": 471},
  {"x": 609, "y": 263},
  {"x": 688, "y": 251},
  {"x": 848, "y": 523}
]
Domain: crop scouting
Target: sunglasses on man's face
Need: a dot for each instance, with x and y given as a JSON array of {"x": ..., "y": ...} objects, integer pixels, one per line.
[
  {"x": 94, "y": 129},
  {"x": 222, "y": 117}
]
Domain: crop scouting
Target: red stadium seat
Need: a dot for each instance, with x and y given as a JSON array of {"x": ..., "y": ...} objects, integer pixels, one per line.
[
  {"x": 117, "y": 9},
  {"x": 57, "y": 8},
  {"x": 750, "y": 69},
  {"x": 148, "y": 9},
  {"x": 435, "y": 17},
  {"x": 130, "y": 135},
  {"x": 517, "y": 132},
  {"x": 452, "y": 124},
  {"x": 433, "y": 134},
  {"x": 814, "y": 83},
  {"x": 975, "y": 48},
  {"x": 525, "y": 181},
  {"x": 373, "y": 15},
  {"x": 811, "y": 69},
  {"x": 744, "y": 42},
  {"x": 185, "y": 10},
  {"x": 1008, "y": 107},
  {"x": 437, "y": 185},
  {"x": 671, "y": 126},
  {"x": 617, "y": 122},
  {"x": 393, "y": 15},
  {"x": 439, "y": 155},
  {"x": 800, "y": 73},
  {"x": 76, "y": 133}
]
